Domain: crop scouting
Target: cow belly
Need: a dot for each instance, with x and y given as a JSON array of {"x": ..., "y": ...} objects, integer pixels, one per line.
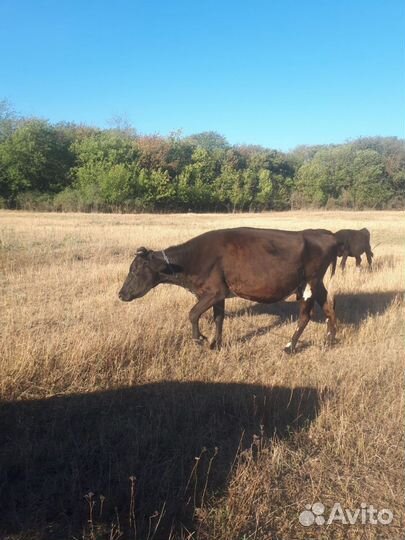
[
  {"x": 265, "y": 297},
  {"x": 258, "y": 276},
  {"x": 267, "y": 292}
]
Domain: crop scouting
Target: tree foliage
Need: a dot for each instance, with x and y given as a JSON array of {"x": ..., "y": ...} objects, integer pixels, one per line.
[
  {"x": 350, "y": 175},
  {"x": 76, "y": 167},
  {"x": 35, "y": 156}
]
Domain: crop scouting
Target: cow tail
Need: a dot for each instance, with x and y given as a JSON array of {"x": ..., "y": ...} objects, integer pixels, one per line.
[{"x": 372, "y": 248}]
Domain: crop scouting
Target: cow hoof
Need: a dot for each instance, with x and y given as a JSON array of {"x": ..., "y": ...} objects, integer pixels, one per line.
[
  {"x": 289, "y": 349},
  {"x": 200, "y": 340},
  {"x": 215, "y": 345}
]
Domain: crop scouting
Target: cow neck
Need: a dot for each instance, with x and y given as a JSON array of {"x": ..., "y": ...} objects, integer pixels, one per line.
[{"x": 178, "y": 256}]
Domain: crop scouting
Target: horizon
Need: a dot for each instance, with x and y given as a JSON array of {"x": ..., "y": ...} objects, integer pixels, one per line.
[
  {"x": 137, "y": 134},
  {"x": 277, "y": 76}
]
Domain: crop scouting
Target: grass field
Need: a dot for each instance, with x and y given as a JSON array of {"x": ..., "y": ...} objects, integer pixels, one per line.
[{"x": 113, "y": 424}]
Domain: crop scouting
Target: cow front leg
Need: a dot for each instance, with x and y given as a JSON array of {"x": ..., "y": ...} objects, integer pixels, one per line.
[
  {"x": 358, "y": 263},
  {"x": 219, "y": 315},
  {"x": 204, "y": 303},
  {"x": 306, "y": 307}
]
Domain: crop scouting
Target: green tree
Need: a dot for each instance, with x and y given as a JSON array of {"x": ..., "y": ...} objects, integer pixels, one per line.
[
  {"x": 76, "y": 166},
  {"x": 265, "y": 188},
  {"x": 106, "y": 168},
  {"x": 371, "y": 187},
  {"x": 326, "y": 175},
  {"x": 8, "y": 120},
  {"x": 275, "y": 172},
  {"x": 196, "y": 187},
  {"x": 34, "y": 157},
  {"x": 209, "y": 140},
  {"x": 229, "y": 188},
  {"x": 156, "y": 188}
]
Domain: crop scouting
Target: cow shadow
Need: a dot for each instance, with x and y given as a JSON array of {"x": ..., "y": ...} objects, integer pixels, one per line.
[
  {"x": 55, "y": 451},
  {"x": 354, "y": 308},
  {"x": 285, "y": 311},
  {"x": 351, "y": 308}
]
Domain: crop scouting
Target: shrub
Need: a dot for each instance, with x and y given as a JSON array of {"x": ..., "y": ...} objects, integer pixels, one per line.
[
  {"x": 32, "y": 200},
  {"x": 67, "y": 200}
]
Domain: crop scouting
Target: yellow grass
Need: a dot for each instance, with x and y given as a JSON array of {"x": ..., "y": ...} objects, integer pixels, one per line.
[{"x": 65, "y": 333}]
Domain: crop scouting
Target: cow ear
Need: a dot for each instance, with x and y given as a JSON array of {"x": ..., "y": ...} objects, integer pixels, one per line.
[
  {"x": 142, "y": 251},
  {"x": 156, "y": 262}
]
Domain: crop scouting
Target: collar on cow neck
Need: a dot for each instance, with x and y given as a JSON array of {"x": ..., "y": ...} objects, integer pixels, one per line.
[
  {"x": 175, "y": 271},
  {"x": 166, "y": 259}
]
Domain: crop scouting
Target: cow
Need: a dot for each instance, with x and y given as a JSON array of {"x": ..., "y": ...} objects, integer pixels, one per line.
[
  {"x": 262, "y": 265},
  {"x": 353, "y": 243}
]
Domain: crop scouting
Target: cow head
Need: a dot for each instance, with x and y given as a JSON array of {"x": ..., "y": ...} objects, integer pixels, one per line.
[{"x": 146, "y": 271}]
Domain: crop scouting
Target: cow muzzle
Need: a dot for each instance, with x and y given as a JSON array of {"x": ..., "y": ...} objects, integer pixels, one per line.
[{"x": 125, "y": 297}]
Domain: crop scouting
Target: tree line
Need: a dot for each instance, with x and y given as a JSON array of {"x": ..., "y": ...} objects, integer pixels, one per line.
[{"x": 74, "y": 167}]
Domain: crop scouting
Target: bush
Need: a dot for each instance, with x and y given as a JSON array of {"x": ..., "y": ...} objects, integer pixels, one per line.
[
  {"x": 346, "y": 199},
  {"x": 332, "y": 203},
  {"x": 32, "y": 200},
  {"x": 67, "y": 200},
  {"x": 300, "y": 201},
  {"x": 396, "y": 203}
]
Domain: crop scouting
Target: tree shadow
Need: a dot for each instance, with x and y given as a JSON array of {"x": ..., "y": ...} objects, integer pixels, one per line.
[{"x": 54, "y": 451}]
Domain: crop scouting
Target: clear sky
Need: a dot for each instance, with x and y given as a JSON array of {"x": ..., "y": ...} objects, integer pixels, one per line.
[{"x": 276, "y": 73}]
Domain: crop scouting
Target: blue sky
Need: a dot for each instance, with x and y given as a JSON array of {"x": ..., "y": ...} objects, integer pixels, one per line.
[{"x": 276, "y": 73}]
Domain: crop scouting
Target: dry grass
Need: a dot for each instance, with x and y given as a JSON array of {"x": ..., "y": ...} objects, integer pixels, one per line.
[{"x": 136, "y": 397}]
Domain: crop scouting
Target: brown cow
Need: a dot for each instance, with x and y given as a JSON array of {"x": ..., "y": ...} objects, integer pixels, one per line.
[
  {"x": 262, "y": 265},
  {"x": 354, "y": 243}
]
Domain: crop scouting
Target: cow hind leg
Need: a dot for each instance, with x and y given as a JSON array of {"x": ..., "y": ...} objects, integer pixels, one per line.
[
  {"x": 299, "y": 293},
  {"x": 219, "y": 315},
  {"x": 306, "y": 307},
  {"x": 369, "y": 255},
  {"x": 328, "y": 306},
  {"x": 343, "y": 263}
]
